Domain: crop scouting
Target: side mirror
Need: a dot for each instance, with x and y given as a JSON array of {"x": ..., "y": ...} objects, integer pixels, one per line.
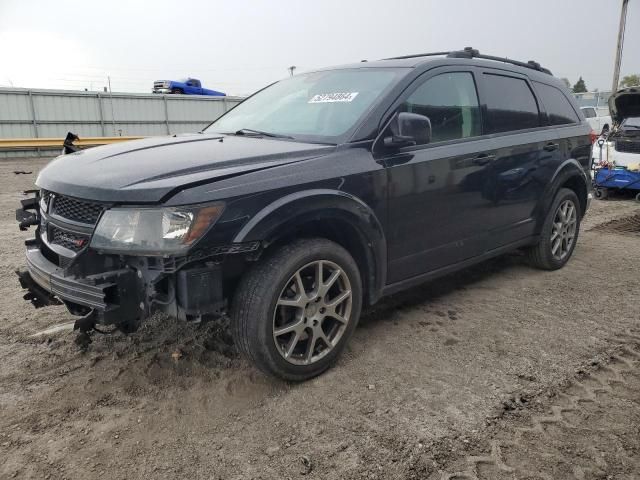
[{"x": 407, "y": 129}]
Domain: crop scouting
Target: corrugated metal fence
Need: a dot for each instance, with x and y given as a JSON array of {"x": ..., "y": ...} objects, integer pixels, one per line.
[{"x": 27, "y": 113}]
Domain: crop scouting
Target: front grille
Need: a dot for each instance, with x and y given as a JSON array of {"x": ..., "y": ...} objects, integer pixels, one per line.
[
  {"x": 45, "y": 195},
  {"x": 627, "y": 146},
  {"x": 69, "y": 240},
  {"x": 76, "y": 210},
  {"x": 44, "y": 200}
]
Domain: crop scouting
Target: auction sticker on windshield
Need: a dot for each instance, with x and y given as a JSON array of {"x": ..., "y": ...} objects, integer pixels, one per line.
[{"x": 333, "y": 97}]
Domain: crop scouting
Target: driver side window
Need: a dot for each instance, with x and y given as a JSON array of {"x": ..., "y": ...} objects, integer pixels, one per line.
[{"x": 450, "y": 101}]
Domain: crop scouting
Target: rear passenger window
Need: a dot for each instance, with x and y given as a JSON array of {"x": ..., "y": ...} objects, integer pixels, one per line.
[
  {"x": 450, "y": 101},
  {"x": 558, "y": 107},
  {"x": 510, "y": 104}
]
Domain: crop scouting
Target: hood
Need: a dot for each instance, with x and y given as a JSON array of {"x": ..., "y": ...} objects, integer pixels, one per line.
[
  {"x": 147, "y": 170},
  {"x": 625, "y": 103}
]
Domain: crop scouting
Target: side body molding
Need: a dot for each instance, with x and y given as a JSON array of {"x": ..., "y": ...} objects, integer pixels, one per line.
[{"x": 347, "y": 211}]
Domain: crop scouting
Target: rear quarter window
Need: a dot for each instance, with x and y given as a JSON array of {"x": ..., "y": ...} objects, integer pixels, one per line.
[
  {"x": 558, "y": 107},
  {"x": 510, "y": 103}
]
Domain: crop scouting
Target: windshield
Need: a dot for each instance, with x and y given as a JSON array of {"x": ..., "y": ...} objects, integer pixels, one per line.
[
  {"x": 631, "y": 122},
  {"x": 319, "y": 106}
]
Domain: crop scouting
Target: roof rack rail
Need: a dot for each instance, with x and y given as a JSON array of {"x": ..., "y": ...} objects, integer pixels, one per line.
[
  {"x": 432, "y": 54},
  {"x": 470, "y": 52}
]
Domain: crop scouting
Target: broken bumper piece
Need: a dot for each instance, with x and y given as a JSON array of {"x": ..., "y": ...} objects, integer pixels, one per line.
[{"x": 112, "y": 296}]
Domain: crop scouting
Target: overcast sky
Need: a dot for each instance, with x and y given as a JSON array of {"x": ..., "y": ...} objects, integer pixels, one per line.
[{"x": 238, "y": 46}]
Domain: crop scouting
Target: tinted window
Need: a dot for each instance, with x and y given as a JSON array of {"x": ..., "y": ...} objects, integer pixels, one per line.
[
  {"x": 450, "y": 101},
  {"x": 558, "y": 108},
  {"x": 510, "y": 104}
]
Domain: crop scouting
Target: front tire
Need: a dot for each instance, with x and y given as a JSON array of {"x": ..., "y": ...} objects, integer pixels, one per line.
[
  {"x": 294, "y": 312},
  {"x": 559, "y": 232}
]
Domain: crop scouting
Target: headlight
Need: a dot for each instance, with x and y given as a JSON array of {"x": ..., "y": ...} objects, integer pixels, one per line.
[{"x": 153, "y": 231}]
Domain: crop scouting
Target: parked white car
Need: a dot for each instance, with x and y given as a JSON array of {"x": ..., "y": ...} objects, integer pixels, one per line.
[{"x": 598, "y": 117}]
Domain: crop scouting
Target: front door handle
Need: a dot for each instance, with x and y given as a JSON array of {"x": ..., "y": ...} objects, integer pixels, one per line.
[
  {"x": 483, "y": 159},
  {"x": 550, "y": 147}
]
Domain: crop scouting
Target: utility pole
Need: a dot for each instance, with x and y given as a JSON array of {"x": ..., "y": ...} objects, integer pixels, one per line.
[
  {"x": 113, "y": 116},
  {"x": 616, "y": 67},
  {"x": 291, "y": 69}
]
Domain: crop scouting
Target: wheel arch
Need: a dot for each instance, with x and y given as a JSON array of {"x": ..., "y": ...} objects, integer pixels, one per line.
[
  {"x": 571, "y": 175},
  {"x": 335, "y": 215}
]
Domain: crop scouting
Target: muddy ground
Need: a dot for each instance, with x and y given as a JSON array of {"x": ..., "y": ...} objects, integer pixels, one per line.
[{"x": 500, "y": 371}]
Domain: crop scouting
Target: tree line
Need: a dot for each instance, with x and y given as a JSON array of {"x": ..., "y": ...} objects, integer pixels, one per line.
[{"x": 580, "y": 86}]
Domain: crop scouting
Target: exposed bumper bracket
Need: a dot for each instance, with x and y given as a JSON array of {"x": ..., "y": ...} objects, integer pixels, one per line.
[
  {"x": 27, "y": 215},
  {"x": 37, "y": 295}
]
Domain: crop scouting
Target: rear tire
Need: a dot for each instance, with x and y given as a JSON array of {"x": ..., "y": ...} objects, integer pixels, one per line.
[
  {"x": 288, "y": 323},
  {"x": 559, "y": 232}
]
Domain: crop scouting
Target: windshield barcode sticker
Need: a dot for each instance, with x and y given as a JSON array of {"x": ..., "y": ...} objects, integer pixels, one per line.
[{"x": 333, "y": 97}]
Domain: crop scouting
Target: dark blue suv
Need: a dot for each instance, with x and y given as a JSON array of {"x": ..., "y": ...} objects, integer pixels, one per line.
[{"x": 313, "y": 198}]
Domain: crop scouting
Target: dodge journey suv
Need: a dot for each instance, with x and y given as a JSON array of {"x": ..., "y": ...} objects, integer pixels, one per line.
[{"x": 312, "y": 199}]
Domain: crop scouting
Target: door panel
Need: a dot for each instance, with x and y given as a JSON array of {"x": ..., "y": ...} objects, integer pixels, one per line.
[
  {"x": 515, "y": 181},
  {"x": 434, "y": 200},
  {"x": 435, "y": 207},
  {"x": 525, "y": 149}
]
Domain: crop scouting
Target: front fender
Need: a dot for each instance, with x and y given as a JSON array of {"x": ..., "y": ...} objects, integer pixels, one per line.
[{"x": 295, "y": 209}]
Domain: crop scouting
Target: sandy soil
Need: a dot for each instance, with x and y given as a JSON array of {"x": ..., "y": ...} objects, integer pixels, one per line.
[{"x": 500, "y": 371}]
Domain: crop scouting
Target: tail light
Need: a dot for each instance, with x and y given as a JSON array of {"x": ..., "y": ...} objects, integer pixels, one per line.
[{"x": 593, "y": 136}]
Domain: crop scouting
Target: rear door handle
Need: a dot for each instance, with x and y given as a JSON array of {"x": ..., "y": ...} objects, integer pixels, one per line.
[
  {"x": 483, "y": 159},
  {"x": 550, "y": 147}
]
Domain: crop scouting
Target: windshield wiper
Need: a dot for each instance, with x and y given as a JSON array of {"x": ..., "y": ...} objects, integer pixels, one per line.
[{"x": 251, "y": 131}]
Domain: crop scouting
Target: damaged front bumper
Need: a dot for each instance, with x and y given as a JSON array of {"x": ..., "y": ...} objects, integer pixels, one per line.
[
  {"x": 116, "y": 289},
  {"x": 113, "y": 296},
  {"x": 125, "y": 295}
]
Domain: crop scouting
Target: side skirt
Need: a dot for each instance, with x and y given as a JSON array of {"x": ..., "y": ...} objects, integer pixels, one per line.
[{"x": 425, "y": 277}]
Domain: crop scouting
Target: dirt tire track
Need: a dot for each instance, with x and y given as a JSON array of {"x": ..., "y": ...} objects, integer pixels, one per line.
[{"x": 532, "y": 448}]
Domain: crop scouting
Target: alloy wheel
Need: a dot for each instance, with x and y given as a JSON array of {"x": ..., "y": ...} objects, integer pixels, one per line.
[
  {"x": 312, "y": 312},
  {"x": 563, "y": 231}
]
